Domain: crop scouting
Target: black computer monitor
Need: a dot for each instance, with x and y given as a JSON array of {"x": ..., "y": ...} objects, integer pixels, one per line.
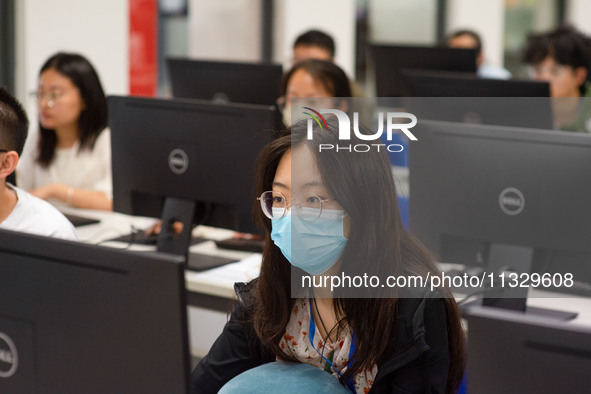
[
  {"x": 79, "y": 318},
  {"x": 513, "y": 353},
  {"x": 490, "y": 195},
  {"x": 251, "y": 83},
  {"x": 187, "y": 160},
  {"x": 390, "y": 60},
  {"x": 461, "y": 97},
  {"x": 528, "y": 112},
  {"x": 422, "y": 83}
]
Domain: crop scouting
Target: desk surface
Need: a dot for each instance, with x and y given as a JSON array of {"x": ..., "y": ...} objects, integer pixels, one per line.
[
  {"x": 220, "y": 281},
  {"x": 217, "y": 282}
]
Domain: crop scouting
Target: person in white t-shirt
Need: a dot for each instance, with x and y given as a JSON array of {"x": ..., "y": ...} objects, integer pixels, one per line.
[
  {"x": 69, "y": 160},
  {"x": 20, "y": 211}
]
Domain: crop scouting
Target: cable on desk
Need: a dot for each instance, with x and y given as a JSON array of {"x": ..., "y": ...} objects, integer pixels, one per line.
[{"x": 118, "y": 232}]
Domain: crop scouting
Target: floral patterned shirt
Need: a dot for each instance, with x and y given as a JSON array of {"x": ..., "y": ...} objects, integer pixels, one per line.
[{"x": 297, "y": 342}]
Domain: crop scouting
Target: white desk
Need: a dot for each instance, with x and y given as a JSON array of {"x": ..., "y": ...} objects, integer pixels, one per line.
[
  {"x": 214, "y": 288},
  {"x": 216, "y": 282},
  {"x": 210, "y": 291}
]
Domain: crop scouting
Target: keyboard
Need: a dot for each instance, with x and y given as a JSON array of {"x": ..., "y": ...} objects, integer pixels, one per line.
[
  {"x": 141, "y": 238},
  {"x": 202, "y": 262},
  {"x": 242, "y": 244},
  {"x": 78, "y": 221}
]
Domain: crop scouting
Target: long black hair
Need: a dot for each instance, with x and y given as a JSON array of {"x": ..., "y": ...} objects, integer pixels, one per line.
[
  {"x": 93, "y": 118},
  {"x": 329, "y": 75},
  {"x": 363, "y": 185}
]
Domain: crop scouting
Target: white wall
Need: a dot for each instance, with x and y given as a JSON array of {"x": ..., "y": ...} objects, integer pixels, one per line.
[
  {"x": 486, "y": 17},
  {"x": 402, "y": 21},
  {"x": 578, "y": 13},
  {"x": 337, "y": 18},
  {"x": 97, "y": 29},
  {"x": 225, "y": 30}
]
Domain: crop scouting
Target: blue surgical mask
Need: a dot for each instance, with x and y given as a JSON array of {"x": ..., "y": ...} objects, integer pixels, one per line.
[{"x": 311, "y": 246}]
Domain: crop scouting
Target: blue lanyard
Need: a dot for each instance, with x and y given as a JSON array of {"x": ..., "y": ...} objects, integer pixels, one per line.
[{"x": 312, "y": 331}]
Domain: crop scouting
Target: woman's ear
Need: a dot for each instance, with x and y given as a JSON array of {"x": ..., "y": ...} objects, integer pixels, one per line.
[{"x": 8, "y": 162}]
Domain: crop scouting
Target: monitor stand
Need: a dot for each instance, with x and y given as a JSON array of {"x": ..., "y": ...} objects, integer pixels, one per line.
[
  {"x": 176, "y": 210},
  {"x": 169, "y": 241},
  {"x": 505, "y": 259}
]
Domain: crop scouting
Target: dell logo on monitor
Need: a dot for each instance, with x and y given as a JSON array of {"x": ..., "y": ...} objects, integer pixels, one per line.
[
  {"x": 511, "y": 201},
  {"x": 178, "y": 161},
  {"x": 8, "y": 356}
]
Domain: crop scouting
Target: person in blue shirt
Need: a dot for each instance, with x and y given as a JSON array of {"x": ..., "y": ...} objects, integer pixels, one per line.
[{"x": 471, "y": 40}]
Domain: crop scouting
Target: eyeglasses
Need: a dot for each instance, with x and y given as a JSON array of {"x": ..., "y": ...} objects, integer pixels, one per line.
[
  {"x": 274, "y": 205},
  {"x": 51, "y": 97},
  {"x": 554, "y": 71}
]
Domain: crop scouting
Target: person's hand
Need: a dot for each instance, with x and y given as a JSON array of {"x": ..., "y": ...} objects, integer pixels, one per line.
[
  {"x": 53, "y": 190},
  {"x": 177, "y": 228}
]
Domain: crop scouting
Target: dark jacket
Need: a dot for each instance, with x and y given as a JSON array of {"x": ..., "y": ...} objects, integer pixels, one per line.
[{"x": 419, "y": 362}]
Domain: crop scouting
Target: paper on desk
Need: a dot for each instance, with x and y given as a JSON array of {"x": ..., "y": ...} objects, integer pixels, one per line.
[
  {"x": 220, "y": 281},
  {"x": 214, "y": 233}
]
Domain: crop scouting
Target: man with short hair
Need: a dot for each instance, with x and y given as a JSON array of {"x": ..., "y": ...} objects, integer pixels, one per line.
[
  {"x": 469, "y": 39},
  {"x": 313, "y": 44},
  {"x": 19, "y": 210}
]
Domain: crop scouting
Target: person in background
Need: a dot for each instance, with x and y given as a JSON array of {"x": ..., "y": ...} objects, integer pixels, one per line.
[
  {"x": 471, "y": 40},
  {"x": 334, "y": 213},
  {"x": 318, "y": 82},
  {"x": 313, "y": 44},
  {"x": 69, "y": 160},
  {"x": 316, "y": 44},
  {"x": 20, "y": 211},
  {"x": 562, "y": 57}
]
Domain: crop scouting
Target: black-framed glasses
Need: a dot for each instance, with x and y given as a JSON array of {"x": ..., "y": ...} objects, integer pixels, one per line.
[{"x": 275, "y": 206}]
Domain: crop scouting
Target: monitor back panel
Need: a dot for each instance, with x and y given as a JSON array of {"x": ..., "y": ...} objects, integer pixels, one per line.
[
  {"x": 77, "y": 318},
  {"x": 249, "y": 83}
]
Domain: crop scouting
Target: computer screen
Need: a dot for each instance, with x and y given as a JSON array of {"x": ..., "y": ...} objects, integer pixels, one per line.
[
  {"x": 390, "y": 60},
  {"x": 528, "y": 112},
  {"x": 461, "y": 97},
  {"x": 421, "y": 83},
  {"x": 251, "y": 83},
  {"x": 79, "y": 318},
  {"x": 475, "y": 189},
  {"x": 188, "y": 160},
  {"x": 513, "y": 353}
]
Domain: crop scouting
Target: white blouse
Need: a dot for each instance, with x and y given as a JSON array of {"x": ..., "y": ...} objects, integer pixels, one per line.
[{"x": 85, "y": 169}]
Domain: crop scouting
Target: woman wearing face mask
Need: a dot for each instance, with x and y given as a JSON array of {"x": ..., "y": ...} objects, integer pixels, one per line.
[
  {"x": 69, "y": 160},
  {"x": 328, "y": 213},
  {"x": 313, "y": 83}
]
